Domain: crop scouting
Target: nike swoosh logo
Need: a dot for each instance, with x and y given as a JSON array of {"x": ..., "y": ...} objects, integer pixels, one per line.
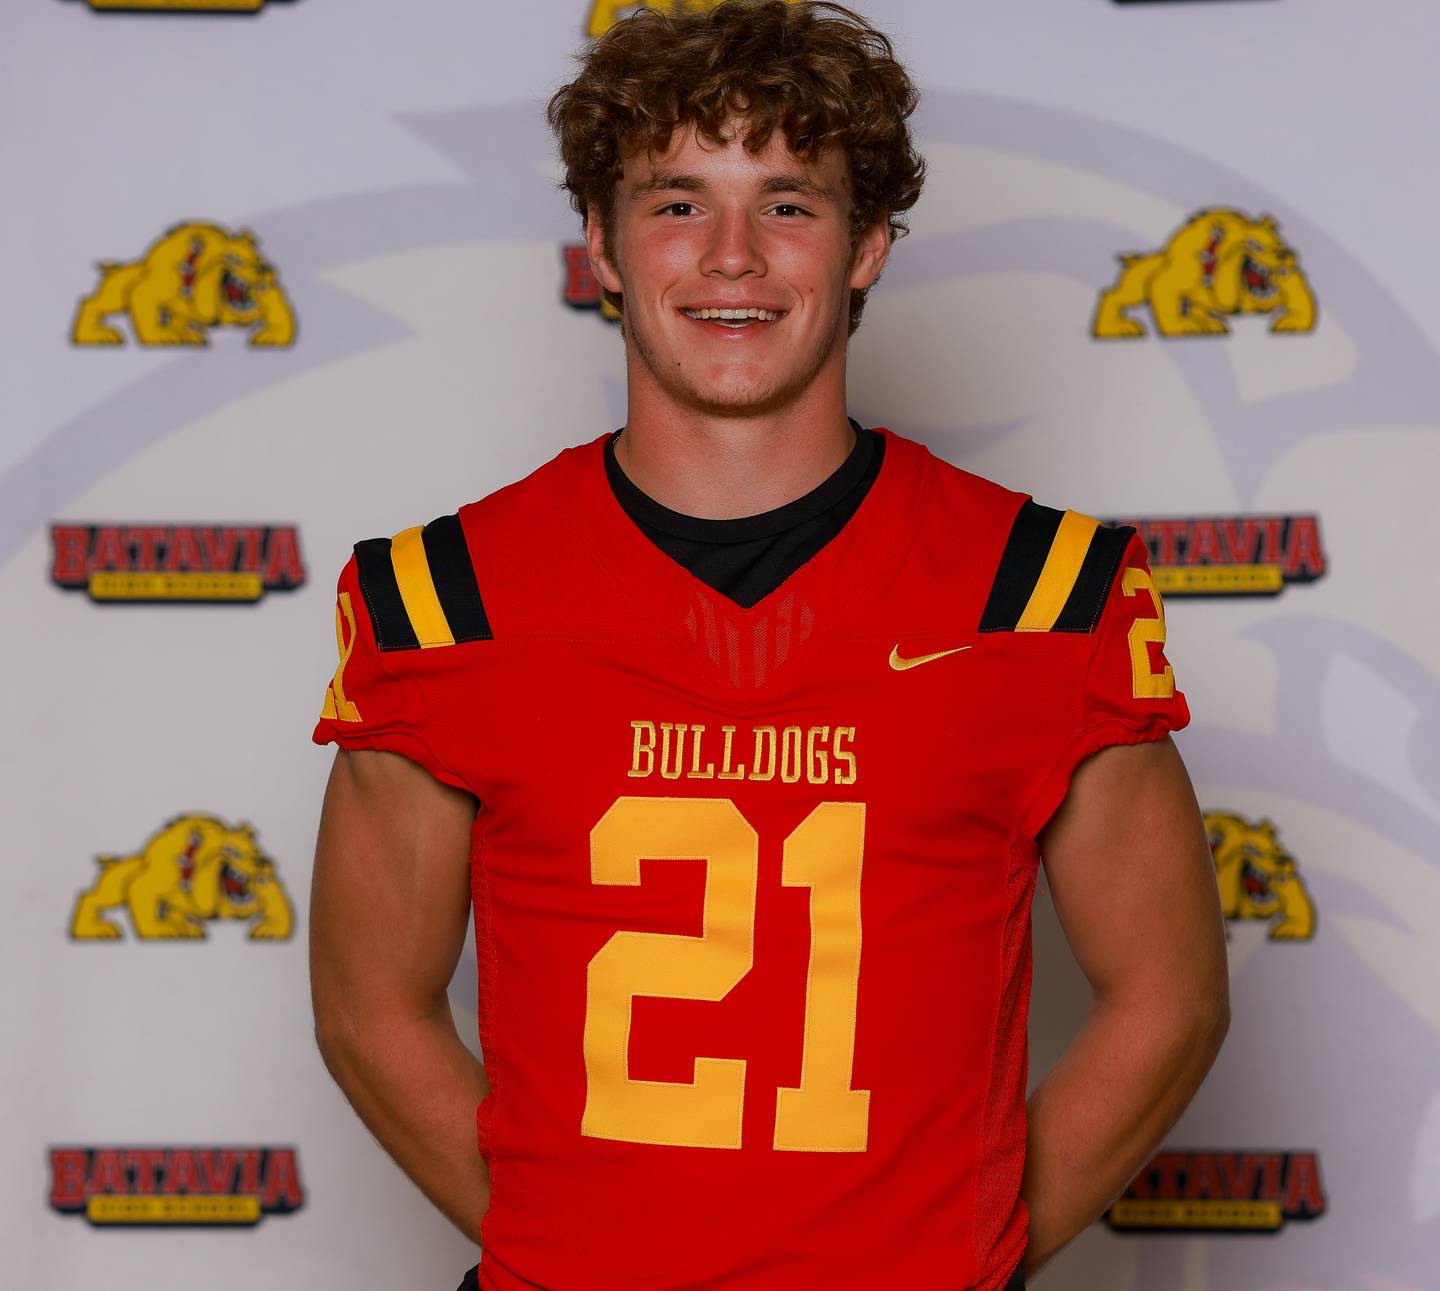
[{"x": 900, "y": 664}]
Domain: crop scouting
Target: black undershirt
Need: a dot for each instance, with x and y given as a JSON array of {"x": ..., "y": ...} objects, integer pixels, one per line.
[{"x": 748, "y": 558}]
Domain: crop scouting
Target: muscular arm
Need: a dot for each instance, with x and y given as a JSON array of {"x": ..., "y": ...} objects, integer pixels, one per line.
[
  {"x": 389, "y": 910},
  {"x": 1134, "y": 888}
]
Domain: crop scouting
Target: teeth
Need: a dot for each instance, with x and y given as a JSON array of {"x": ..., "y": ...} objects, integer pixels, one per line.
[{"x": 764, "y": 315}]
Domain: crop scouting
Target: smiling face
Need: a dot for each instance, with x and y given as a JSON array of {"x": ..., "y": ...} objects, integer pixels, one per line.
[{"x": 736, "y": 271}]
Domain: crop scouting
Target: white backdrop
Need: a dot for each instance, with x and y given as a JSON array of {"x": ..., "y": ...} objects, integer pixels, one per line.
[{"x": 392, "y": 161}]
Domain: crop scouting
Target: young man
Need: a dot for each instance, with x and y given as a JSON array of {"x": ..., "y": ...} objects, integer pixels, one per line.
[{"x": 745, "y": 730}]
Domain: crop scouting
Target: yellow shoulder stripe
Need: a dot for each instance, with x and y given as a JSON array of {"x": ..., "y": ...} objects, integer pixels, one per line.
[
  {"x": 417, "y": 588},
  {"x": 1061, "y": 569}
]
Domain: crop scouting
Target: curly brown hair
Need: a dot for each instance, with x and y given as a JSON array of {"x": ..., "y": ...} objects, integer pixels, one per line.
[{"x": 815, "y": 71}]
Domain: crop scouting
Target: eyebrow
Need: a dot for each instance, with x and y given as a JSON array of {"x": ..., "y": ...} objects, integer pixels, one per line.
[{"x": 667, "y": 182}]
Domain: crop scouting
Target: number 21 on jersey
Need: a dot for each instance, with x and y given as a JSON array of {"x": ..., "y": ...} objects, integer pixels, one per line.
[{"x": 823, "y": 853}]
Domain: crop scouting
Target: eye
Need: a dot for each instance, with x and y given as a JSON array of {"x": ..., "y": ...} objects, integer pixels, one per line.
[
  {"x": 678, "y": 208},
  {"x": 789, "y": 209}
]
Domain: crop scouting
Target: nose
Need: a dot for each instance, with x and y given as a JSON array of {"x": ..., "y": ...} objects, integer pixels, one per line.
[{"x": 733, "y": 248}]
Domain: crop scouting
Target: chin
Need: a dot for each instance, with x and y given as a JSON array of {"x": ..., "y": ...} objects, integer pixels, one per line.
[
  {"x": 751, "y": 387},
  {"x": 711, "y": 385},
  {"x": 734, "y": 398}
]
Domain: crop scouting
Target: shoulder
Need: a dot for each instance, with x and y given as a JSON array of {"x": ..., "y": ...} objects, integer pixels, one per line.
[
  {"x": 419, "y": 588},
  {"x": 1055, "y": 571},
  {"x": 438, "y": 583},
  {"x": 1032, "y": 567},
  {"x": 516, "y": 508},
  {"x": 954, "y": 495}
]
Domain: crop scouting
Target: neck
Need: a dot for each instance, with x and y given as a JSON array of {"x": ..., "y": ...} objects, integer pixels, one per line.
[{"x": 724, "y": 467}]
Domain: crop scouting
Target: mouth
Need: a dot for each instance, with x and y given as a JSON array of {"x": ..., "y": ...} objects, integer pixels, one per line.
[
  {"x": 1257, "y": 886},
  {"x": 234, "y": 884},
  {"x": 237, "y": 293},
  {"x": 1257, "y": 278},
  {"x": 751, "y": 318}
]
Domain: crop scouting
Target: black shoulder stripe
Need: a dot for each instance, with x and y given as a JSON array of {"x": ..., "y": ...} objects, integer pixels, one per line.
[
  {"x": 451, "y": 569},
  {"x": 1020, "y": 565},
  {"x": 1087, "y": 598},
  {"x": 382, "y": 596}
]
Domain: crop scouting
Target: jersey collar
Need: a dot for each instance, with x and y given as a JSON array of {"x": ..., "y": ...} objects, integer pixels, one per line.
[{"x": 851, "y": 567}]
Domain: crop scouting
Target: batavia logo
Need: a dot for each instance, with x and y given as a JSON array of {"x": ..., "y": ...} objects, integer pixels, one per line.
[
  {"x": 165, "y": 1186},
  {"x": 1219, "y": 264},
  {"x": 169, "y": 562},
  {"x": 1258, "y": 878},
  {"x": 192, "y": 278},
  {"x": 192, "y": 871},
  {"x": 1236, "y": 1192},
  {"x": 604, "y": 14},
  {"x": 1255, "y": 555},
  {"x": 180, "y": 6},
  {"x": 582, "y": 288}
]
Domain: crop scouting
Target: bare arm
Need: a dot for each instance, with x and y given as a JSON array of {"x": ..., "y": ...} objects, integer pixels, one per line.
[
  {"x": 389, "y": 911},
  {"x": 1134, "y": 887}
]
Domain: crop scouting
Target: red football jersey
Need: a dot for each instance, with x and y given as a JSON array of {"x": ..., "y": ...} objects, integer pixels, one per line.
[{"x": 752, "y": 886}]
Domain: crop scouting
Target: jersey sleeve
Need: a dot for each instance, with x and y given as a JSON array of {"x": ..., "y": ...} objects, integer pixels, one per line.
[
  {"x": 1128, "y": 693},
  {"x": 391, "y": 604},
  {"x": 1130, "y": 686}
]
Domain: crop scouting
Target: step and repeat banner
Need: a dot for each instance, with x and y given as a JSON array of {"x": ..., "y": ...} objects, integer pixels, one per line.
[{"x": 284, "y": 275}]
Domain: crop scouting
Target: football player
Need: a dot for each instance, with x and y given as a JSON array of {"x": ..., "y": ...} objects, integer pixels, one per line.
[{"x": 743, "y": 731}]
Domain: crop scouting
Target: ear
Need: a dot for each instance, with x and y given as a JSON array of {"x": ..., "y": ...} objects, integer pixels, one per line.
[
  {"x": 872, "y": 250},
  {"x": 601, "y": 264}
]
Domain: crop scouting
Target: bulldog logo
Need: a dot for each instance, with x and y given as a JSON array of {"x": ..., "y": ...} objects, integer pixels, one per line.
[
  {"x": 1258, "y": 878},
  {"x": 196, "y": 276},
  {"x": 1219, "y": 264},
  {"x": 193, "y": 870}
]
